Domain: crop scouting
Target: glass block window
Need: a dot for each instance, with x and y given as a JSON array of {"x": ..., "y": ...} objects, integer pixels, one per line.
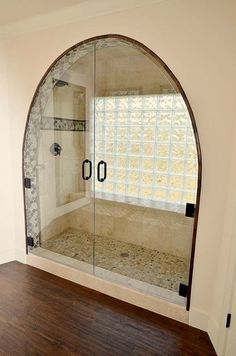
[{"x": 149, "y": 146}]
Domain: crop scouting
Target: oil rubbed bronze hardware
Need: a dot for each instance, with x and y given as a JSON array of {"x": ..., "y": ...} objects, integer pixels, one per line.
[
  {"x": 30, "y": 241},
  {"x": 86, "y": 177},
  {"x": 27, "y": 183},
  {"x": 183, "y": 290},
  {"x": 228, "y": 320},
  {"x": 190, "y": 210}
]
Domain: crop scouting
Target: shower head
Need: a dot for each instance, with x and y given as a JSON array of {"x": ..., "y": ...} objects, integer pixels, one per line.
[{"x": 59, "y": 83}]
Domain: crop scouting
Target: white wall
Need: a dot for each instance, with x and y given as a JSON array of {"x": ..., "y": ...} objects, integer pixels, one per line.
[
  {"x": 196, "y": 39},
  {"x": 7, "y": 245}
]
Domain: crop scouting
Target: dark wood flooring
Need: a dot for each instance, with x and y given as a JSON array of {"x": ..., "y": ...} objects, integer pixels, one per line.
[{"x": 41, "y": 314}]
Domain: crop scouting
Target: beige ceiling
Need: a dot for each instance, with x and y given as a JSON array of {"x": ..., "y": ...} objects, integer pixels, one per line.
[{"x": 17, "y": 10}]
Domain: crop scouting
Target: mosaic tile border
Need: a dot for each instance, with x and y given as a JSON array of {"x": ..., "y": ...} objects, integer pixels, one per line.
[{"x": 59, "y": 124}]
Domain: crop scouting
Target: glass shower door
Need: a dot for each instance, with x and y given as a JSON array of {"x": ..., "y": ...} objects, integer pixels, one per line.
[
  {"x": 141, "y": 133},
  {"x": 66, "y": 163},
  {"x": 121, "y": 198}
]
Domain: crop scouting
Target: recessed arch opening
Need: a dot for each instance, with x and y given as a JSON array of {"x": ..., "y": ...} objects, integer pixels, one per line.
[{"x": 81, "y": 102}]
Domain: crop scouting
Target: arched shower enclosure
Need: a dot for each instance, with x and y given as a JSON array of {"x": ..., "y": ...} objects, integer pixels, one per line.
[{"x": 112, "y": 167}]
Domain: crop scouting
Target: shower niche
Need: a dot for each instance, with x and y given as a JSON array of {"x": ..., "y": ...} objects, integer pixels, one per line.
[{"x": 121, "y": 197}]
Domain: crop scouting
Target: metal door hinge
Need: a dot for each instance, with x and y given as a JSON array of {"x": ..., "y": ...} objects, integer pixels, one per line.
[
  {"x": 190, "y": 210},
  {"x": 183, "y": 290},
  {"x": 228, "y": 320},
  {"x": 27, "y": 183},
  {"x": 30, "y": 241}
]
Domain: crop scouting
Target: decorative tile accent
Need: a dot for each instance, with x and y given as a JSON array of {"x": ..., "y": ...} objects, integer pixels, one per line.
[{"x": 59, "y": 124}]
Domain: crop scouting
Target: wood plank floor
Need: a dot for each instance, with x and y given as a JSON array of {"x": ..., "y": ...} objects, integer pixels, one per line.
[{"x": 41, "y": 314}]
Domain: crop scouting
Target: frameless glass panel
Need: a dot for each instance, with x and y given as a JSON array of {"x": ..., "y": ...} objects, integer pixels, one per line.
[
  {"x": 144, "y": 139},
  {"x": 65, "y": 163}
]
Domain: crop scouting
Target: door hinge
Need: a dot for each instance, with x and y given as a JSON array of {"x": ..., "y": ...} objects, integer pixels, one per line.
[
  {"x": 190, "y": 210},
  {"x": 27, "y": 183},
  {"x": 183, "y": 290},
  {"x": 228, "y": 320},
  {"x": 30, "y": 241}
]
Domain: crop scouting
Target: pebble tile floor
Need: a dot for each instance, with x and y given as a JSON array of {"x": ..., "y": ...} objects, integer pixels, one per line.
[{"x": 144, "y": 264}]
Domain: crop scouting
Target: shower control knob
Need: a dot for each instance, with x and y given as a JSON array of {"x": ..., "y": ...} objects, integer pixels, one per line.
[{"x": 55, "y": 149}]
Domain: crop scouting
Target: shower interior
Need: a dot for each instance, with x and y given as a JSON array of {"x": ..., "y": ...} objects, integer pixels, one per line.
[
  {"x": 122, "y": 250},
  {"x": 133, "y": 223}
]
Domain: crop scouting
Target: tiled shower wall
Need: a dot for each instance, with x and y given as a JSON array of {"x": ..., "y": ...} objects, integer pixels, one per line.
[{"x": 58, "y": 178}]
